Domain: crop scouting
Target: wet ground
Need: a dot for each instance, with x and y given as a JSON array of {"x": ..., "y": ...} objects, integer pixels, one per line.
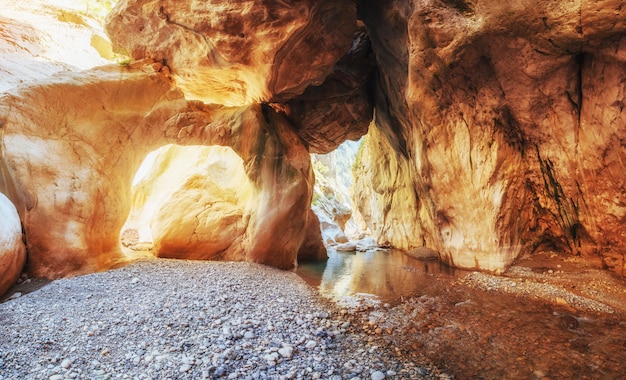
[{"x": 548, "y": 317}]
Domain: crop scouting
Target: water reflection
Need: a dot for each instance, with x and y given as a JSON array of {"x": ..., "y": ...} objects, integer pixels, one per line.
[{"x": 388, "y": 274}]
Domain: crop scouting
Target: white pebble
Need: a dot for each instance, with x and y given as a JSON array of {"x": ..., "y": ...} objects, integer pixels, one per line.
[{"x": 286, "y": 352}]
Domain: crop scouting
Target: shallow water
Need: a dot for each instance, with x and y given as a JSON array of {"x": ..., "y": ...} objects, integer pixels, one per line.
[
  {"x": 473, "y": 333},
  {"x": 387, "y": 275}
]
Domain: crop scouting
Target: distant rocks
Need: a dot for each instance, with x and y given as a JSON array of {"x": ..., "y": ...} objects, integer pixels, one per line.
[{"x": 346, "y": 247}]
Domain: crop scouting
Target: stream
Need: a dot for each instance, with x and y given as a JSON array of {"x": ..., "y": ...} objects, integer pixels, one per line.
[{"x": 385, "y": 275}]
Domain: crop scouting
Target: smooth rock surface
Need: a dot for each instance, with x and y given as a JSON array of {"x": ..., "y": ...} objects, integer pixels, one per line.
[
  {"x": 42, "y": 37},
  {"x": 191, "y": 201},
  {"x": 506, "y": 119},
  {"x": 110, "y": 118},
  {"x": 237, "y": 53},
  {"x": 12, "y": 250}
]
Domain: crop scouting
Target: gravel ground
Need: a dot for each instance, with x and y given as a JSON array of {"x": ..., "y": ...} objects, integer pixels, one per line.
[{"x": 159, "y": 319}]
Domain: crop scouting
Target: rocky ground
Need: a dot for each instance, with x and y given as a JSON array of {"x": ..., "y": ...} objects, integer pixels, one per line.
[
  {"x": 159, "y": 319},
  {"x": 548, "y": 317}
]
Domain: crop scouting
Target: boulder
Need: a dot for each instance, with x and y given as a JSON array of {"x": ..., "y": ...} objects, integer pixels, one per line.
[
  {"x": 12, "y": 249},
  {"x": 192, "y": 199}
]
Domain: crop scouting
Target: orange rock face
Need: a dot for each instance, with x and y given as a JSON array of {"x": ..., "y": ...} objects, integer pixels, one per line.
[
  {"x": 499, "y": 128},
  {"x": 510, "y": 119},
  {"x": 239, "y": 52}
]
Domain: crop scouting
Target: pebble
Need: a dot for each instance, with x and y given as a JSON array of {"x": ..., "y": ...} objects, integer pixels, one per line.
[
  {"x": 195, "y": 320},
  {"x": 286, "y": 352},
  {"x": 378, "y": 375}
]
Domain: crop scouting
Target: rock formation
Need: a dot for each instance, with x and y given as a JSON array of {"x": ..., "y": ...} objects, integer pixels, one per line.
[
  {"x": 12, "y": 250},
  {"x": 108, "y": 119},
  {"x": 499, "y": 128},
  {"x": 507, "y": 121},
  {"x": 237, "y": 53}
]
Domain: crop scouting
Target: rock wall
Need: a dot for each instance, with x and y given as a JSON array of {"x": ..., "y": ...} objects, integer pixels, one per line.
[
  {"x": 42, "y": 37},
  {"x": 75, "y": 163},
  {"x": 73, "y": 141},
  {"x": 499, "y": 127},
  {"x": 509, "y": 117}
]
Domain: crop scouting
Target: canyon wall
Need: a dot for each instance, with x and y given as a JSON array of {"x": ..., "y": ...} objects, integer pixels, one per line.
[
  {"x": 507, "y": 121},
  {"x": 498, "y": 128}
]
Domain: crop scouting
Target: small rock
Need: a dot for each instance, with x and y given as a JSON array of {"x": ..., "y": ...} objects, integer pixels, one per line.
[
  {"x": 56, "y": 377},
  {"x": 311, "y": 344},
  {"x": 378, "y": 375},
  {"x": 248, "y": 335},
  {"x": 271, "y": 359},
  {"x": 66, "y": 363},
  {"x": 220, "y": 372},
  {"x": 286, "y": 352},
  {"x": 15, "y": 295},
  {"x": 185, "y": 367},
  {"x": 135, "y": 280}
]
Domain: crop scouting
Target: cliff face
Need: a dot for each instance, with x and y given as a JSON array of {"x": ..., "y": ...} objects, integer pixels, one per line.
[{"x": 508, "y": 121}]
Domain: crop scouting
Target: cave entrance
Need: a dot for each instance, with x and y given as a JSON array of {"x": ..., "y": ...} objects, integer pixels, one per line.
[{"x": 187, "y": 202}]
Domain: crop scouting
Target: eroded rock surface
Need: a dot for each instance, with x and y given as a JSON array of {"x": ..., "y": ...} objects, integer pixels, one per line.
[
  {"x": 339, "y": 109},
  {"x": 237, "y": 53},
  {"x": 74, "y": 164},
  {"x": 12, "y": 250},
  {"x": 510, "y": 118}
]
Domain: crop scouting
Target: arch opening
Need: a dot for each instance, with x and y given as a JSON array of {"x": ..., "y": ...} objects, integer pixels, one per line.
[{"x": 188, "y": 202}]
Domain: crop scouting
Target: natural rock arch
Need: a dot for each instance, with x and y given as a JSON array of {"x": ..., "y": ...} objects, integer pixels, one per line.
[{"x": 74, "y": 165}]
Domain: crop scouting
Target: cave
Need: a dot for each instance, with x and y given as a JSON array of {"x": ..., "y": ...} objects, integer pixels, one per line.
[
  {"x": 492, "y": 143},
  {"x": 181, "y": 198}
]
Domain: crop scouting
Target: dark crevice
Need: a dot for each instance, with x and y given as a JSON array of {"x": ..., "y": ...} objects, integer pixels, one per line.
[
  {"x": 580, "y": 63},
  {"x": 568, "y": 210}
]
